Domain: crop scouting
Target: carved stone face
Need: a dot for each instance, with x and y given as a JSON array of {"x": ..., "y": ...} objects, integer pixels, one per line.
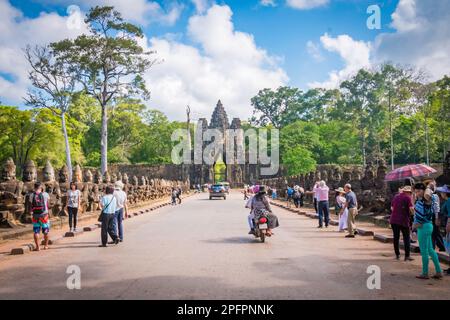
[
  {"x": 113, "y": 178},
  {"x": 106, "y": 178},
  {"x": 63, "y": 174},
  {"x": 98, "y": 177},
  {"x": 356, "y": 175},
  {"x": 125, "y": 179},
  {"x": 77, "y": 174},
  {"x": 29, "y": 172},
  {"x": 48, "y": 173},
  {"x": 143, "y": 181},
  {"x": 88, "y": 176},
  {"x": 8, "y": 171},
  {"x": 135, "y": 181}
]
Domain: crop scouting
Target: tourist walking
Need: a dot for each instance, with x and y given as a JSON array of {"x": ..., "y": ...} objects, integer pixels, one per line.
[
  {"x": 314, "y": 191},
  {"x": 340, "y": 202},
  {"x": 274, "y": 194},
  {"x": 423, "y": 217},
  {"x": 174, "y": 196},
  {"x": 321, "y": 194},
  {"x": 445, "y": 213},
  {"x": 351, "y": 203},
  {"x": 38, "y": 204},
  {"x": 245, "y": 193},
  {"x": 402, "y": 209},
  {"x": 296, "y": 196},
  {"x": 121, "y": 209},
  {"x": 179, "y": 191},
  {"x": 73, "y": 204},
  {"x": 290, "y": 193},
  {"x": 436, "y": 237},
  {"x": 108, "y": 205}
]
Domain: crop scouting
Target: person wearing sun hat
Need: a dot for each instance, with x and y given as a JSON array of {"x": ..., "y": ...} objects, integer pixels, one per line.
[
  {"x": 444, "y": 191},
  {"x": 340, "y": 202},
  {"x": 121, "y": 210},
  {"x": 402, "y": 209}
]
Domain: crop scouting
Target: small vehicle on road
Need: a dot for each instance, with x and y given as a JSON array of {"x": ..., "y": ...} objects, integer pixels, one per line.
[
  {"x": 261, "y": 227},
  {"x": 217, "y": 191}
]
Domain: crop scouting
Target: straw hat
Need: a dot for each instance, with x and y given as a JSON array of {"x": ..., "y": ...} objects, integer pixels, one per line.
[
  {"x": 407, "y": 189},
  {"x": 340, "y": 190}
]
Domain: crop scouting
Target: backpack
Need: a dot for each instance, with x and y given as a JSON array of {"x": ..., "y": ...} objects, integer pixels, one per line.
[{"x": 38, "y": 203}]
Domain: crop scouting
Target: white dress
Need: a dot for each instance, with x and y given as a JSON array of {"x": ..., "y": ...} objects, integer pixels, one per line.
[{"x": 343, "y": 217}]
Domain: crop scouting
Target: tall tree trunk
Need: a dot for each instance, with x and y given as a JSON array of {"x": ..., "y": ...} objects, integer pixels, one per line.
[
  {"x": 391, "y": 132},
  {"x": 104, "y": 141},
  {"x": 66, "y": 140},
  {"x": 426, "y": 138}
]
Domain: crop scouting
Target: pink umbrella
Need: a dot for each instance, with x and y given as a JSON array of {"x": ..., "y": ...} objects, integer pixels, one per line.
[{"x": 409, "y": 171}]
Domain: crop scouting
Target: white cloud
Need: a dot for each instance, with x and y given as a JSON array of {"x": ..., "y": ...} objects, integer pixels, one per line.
[
  {"x": 421, "y": 38},
  {"x": 306, "y": 4},
  {"x": 144, "y": 12},
  {"x": 355, "y": 55},
  {"x": 314, "y": 51},
  {"x": 17, "y": 32},
  {"x": 229, "y": 66},
  {"x": 268, "y": 3},
  {"x": 224, "y": 63},
  {"x": 201, "y": 5}
]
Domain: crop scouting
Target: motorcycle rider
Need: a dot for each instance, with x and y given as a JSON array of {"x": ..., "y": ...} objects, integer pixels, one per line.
[{"x": 257, "y": 204}]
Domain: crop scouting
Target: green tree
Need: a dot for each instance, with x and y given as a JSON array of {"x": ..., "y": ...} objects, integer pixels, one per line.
[
  {"x": 109, "y": 61},
  {"x": 298, "y": 160},
  {"x": 30, "y": 134},
  {"x": 272, "y": 106},
  {"x": 54, "y": 81}
]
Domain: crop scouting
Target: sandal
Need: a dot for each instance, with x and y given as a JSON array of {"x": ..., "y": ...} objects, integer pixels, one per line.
[
  {"x": 437, "y": 276},
  {"x": 423, "y": 277}
]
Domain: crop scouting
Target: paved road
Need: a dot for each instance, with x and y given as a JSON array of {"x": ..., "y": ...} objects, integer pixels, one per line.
[{"x": 200, "y": 250}]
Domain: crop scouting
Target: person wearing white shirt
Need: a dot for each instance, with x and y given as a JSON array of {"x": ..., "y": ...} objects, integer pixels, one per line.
[{"x": 121, "y": 209}]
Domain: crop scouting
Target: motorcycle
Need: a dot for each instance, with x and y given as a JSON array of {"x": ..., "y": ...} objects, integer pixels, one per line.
[{"x": 261, "y": 227}]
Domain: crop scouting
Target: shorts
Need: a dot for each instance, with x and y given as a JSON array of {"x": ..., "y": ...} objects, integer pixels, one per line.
[{"x": 41, "y": 222}]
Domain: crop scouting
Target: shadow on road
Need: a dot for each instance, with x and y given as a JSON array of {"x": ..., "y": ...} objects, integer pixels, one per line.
[{"x": 236, "y": 240}]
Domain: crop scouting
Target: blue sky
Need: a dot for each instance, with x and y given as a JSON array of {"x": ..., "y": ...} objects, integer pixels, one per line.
[
  {"x": 290, "y": 45},
  {"x": 281, "y": 30}
]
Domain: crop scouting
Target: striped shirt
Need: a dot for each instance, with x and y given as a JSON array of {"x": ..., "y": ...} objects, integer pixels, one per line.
[{"x": 423, "y": 212}]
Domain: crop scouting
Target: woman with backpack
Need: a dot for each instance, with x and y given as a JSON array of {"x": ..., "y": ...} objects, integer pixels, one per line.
[{"x": 73, "y": 203}]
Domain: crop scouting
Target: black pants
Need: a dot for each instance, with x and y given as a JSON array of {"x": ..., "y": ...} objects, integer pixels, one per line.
[
  {"x": 108, "y": 227},
  {"x": 73, "y": 216},
  {"x": 301, "y": 200},
  {"x": 437, "y": 239},
  {"x": 316, "y": 207},
  {"x": 297, "y": 202},
  {"x": 406, "y": 239}
]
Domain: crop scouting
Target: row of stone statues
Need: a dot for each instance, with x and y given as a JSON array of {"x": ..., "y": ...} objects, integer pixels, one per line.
[
  {"x": 369, "y": 184},
  {"x": 13, "y": 192}
]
